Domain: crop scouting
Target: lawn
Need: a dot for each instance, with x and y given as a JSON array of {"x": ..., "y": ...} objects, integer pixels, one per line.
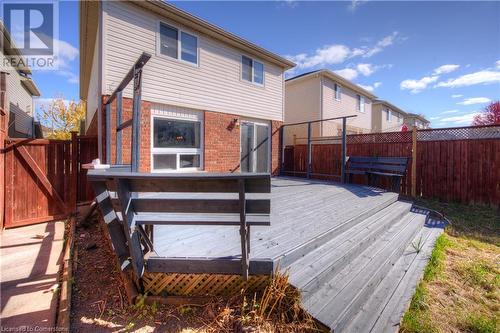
[{"x": 460, "y": 289}]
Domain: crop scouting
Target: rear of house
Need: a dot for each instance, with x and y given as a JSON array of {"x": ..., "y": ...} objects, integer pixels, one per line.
[
  {"x": 323, "y": 94},
  {"x": 210, "y": 100},
  {"x": 386, "y": 117},
  {"x": 20, "y": 88}
]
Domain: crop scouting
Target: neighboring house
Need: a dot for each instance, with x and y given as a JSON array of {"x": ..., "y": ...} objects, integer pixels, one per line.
[
  {"x": 210, "y": 100},
  {"x": 20, "y": 89},
  {"x": 323, "y": 94},
  {"x": 413, "y": 119},
  {"x": 386, "y": 117}
]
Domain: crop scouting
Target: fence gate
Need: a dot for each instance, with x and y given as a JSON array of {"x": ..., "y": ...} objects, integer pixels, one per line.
[{"x": 38, "y": 181}]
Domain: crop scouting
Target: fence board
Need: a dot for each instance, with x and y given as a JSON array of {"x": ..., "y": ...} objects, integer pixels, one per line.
[
  {"x": 87, "y": 151},
  {"x": 453, "y": 165}
]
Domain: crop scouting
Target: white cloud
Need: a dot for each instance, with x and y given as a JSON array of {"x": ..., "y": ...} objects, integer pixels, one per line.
[
  {"x": 347, "y": 73},
  {"x": 338, "y": 53},
  {"x": 445, "y": 69},
  {"x": 460, "y": 120},
  {"x": 327, "y": 55},
  {"x": 416, "y": 86},
  {"x": 379, "y": 46},
  {"x": 372, "y": 87},
  {"x": 356, "y": 3},
  {"x": 456, "y": 96},
  {"x": 497, "y": 64},
  {"x": 481, "y": 77},
  {"x": 450, "y": 111},
  {"x": 366, "y": 69},
  {"x": 475, "y": 100}
]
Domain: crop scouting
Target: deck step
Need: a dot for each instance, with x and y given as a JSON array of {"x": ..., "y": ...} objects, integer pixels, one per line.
[
  {"x": 336, "y": 302},
  {"x": 311, "y": 271},
  {"x": 383, "y": 311},
  {"x": 301, "y": 250}
]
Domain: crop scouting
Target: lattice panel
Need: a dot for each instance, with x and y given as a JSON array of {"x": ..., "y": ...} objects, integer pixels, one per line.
[
  {"x": 459, "y": 133},
  {"x": 389, "y": 137},
  {"x": 201, "y": 284}
]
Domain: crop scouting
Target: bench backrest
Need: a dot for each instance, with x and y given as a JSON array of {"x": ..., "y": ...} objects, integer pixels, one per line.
[{"x": 384, "y": 164}]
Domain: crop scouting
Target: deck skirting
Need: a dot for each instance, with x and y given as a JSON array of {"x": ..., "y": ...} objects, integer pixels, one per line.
[{"x": 174, "y": 284}]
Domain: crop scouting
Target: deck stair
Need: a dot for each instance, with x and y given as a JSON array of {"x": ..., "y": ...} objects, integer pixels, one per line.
[{"x": 362, "y": 278}]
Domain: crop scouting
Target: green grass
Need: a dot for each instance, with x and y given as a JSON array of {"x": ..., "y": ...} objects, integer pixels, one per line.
[
  {"x": 472, "y": 228},
  {"x": 416, "y": 319},
  {"x": 481, "y": 324},
  {"x": 471, "y": 221}
]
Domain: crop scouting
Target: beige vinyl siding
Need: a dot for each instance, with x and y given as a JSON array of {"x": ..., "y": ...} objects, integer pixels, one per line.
[
  {"x": 19, "y": 101},
  {"x": 214, "y": 84},
  {"x": 380, "y": 122},
  {"x": 302, "y": 103},
  {"x": 93, "y": 91},
  {"x": 346, "y": 106}
]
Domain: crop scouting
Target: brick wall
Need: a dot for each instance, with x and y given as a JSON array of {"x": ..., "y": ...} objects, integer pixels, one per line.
[{"x": 221, "y": 141}]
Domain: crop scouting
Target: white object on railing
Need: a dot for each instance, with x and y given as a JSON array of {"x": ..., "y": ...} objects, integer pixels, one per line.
[{"x": 95, "y": 164}]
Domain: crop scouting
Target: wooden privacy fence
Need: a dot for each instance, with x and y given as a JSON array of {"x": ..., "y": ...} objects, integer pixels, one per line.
[
  {"x": 42, "y": 182},
  {"x": 452, "y": 164}
]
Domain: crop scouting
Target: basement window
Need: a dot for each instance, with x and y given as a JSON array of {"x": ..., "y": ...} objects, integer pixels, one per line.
[{"x": 177, "y": 144}]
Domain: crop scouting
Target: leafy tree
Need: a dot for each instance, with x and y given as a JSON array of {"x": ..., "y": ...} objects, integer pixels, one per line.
[
  {"x": 490, "y": 115},
  {"x": 61, "y": 117}
]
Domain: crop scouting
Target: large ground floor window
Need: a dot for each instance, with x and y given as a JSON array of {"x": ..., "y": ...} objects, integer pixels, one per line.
[{"x": 177, "y": 144}]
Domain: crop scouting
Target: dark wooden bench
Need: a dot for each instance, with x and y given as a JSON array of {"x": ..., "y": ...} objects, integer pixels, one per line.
[
  {"x": 148, "y": 199},
  {"x": 375, "y": 167}
]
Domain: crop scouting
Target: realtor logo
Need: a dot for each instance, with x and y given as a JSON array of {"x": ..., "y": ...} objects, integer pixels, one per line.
[{"x": 32, "y": 27}]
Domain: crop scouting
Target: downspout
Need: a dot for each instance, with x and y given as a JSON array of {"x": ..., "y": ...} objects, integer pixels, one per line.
[{"x": 99, "y": 86}]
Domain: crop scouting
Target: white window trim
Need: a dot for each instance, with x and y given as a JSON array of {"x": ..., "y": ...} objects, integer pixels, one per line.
[
  {"x": 179, "y": 45},
  {"x": 361, "y": 103},
  {"x": 389, "y": 115},
  {"x": 269, "y": 146},
  {"x": 253, "y": 74},
  {"x": 339, "y": 88},
  {"x": 177, "y": 151}
]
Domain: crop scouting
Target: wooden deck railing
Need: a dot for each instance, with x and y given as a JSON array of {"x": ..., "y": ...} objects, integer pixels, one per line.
[{"x": 146, "y": 200}]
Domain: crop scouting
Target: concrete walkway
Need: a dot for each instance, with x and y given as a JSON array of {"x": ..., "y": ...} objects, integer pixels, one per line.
[{"x": 30, "y": 258}]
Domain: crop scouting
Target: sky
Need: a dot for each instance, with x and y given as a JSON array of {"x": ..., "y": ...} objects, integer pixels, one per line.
[{"x": 439, "y": 59}]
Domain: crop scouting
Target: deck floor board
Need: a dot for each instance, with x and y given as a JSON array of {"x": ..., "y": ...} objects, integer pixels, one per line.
[{"x": 300, "y": 211}]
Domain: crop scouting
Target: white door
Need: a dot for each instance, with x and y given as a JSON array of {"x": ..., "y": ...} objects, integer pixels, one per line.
[{"x": 254, "y": 147}]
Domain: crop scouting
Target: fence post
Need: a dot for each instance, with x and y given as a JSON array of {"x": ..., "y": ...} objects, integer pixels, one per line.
[
  {"x": 309, "y": 152},
  {"x": 344, "y": 149},
  {"x": 74, "y": 170},
  {"x": 414, "y": 162}
]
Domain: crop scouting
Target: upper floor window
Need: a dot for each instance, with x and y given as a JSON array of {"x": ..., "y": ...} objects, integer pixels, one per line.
[
  {"x": 178, "y": 44},
  {"x": 361, "y": 103},
  {"x": 252, "y": 70},
  {"x": 338, "y": 90},
  {"x": 388, "y": 115}
]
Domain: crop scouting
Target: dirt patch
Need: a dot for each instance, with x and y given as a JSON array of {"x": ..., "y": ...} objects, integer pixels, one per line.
[{"x": 99, "y": 302}]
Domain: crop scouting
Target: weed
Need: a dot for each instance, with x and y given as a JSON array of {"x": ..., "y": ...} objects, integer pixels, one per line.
[{"x": 418, "y": 245}]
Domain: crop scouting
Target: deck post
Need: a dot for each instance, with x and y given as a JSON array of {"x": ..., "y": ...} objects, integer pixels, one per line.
[
  {"x": 344, "y": 149},
  {"x": 282, "y": 152},
  {"x": 108, "y": 133},
  {"x": 243, "y": 230},
  {"x": 119, "y": 99},
  {"x": 309, "y": 152},
  {"x": 136, "y": 117}
]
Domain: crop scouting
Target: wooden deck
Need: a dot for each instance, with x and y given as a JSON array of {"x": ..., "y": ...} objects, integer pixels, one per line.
[{"x": 301, "y": 211}]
